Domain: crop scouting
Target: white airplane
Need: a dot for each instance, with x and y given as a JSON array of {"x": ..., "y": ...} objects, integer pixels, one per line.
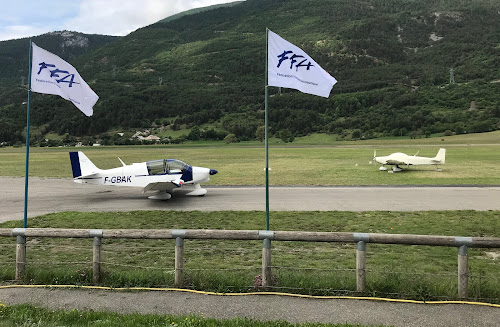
[
  {"x": 398, "y": 158},
  {"x": 161, "y": 176}
]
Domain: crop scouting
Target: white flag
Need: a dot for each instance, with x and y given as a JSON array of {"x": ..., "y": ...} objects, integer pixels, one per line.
[
  {"x": 52, "y": 75},
  {"x": 289, "y": 66}
]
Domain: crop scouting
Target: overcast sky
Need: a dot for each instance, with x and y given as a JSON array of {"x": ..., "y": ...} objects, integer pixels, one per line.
[{"x": 24, "y": 18}]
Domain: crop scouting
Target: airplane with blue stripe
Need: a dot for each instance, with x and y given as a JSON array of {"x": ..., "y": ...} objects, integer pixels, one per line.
[{"x": 160, "y": 176}]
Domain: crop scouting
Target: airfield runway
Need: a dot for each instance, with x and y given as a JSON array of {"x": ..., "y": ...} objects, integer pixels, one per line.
[{"x": 47, "y": 195}]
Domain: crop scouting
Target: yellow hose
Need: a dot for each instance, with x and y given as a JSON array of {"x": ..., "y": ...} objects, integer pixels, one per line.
[{"x": 251, "y": 293}]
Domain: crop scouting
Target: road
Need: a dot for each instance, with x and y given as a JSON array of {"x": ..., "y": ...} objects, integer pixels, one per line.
[{"x": 47, "y": 195}]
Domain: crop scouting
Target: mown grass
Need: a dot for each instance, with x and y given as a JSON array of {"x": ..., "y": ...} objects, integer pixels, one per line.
[
  {"x": 416, "y": 272},
  {"x": 27, "y": 315},
  {"x": 305, "y": 165},
  {"x": 476, "y": 138}
]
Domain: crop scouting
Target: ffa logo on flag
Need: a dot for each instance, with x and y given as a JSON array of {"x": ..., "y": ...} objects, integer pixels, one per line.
[
  {"x": 293, "y": 59},
  {"x": 55, "y": 73},
  {"x": 52, "y": 75},
  {"x": 289, "y": 66}
]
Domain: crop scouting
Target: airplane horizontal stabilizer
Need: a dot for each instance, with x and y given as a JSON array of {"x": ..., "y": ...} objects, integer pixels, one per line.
[{"x": 90, "y": 176}]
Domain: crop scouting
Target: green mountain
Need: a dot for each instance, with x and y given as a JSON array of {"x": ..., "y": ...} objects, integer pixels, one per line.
[
  {"x": 198, "y": 10},
  {"x": 405, "y": 67},
  {"x": 14, "y": 54}
]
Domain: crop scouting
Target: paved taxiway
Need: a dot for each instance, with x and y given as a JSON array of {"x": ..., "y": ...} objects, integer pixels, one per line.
[{"x": 47, "y": 195}]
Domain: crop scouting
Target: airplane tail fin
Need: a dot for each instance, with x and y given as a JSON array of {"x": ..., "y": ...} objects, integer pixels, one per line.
[
  {"x": 81, "y": 165},
  {"x": 441, "y": 155}
]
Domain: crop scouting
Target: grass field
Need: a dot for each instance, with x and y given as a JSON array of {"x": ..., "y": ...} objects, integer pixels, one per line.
[
  {"x": 470, "y": 159},
  {"x": 25, "y": 315},
  {"x": 310, "y": 268},
  {"x": 414, "y": 272}
]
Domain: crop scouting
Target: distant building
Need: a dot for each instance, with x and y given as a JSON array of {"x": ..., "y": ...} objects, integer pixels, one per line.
[
  {"x": 153, "y": 138},
  {"x": 136, "y": 135}
]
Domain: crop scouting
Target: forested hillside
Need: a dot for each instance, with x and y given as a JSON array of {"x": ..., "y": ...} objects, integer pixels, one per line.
[
  {"x": 14, "y": 65},
  {"x": 405, "y": 67}
]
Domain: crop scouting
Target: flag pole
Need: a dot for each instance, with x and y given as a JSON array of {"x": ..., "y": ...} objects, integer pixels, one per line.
[
  {"x": 267, "y": 131},
  {"x": 27, "y": 144}
]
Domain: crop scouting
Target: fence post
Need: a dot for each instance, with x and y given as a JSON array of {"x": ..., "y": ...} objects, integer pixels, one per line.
[
  {"x": 20, "y": 252},
  {"x": 361, "y": 239},
  {"x": 179, "y": 235},
  {"x": 361, "y": 266},
  {"x": 96, "y": 255},
  {"x": 463, "y": 271},
  {"x": 267, "y": 277}
]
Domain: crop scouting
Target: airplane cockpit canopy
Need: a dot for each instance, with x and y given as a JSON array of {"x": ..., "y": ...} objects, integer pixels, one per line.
[
  {"x": 166, "y": 166},
  {"x": 175, "y": 166}
]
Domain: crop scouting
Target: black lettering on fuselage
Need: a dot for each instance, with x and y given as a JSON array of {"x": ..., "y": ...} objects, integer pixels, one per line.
[{"x": 118, "y": 179}]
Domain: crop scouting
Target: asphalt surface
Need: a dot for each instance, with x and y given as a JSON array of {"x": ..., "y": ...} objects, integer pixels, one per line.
[
  {"x": 47, "y": 195},
  {"x": 259, "y": 307}
]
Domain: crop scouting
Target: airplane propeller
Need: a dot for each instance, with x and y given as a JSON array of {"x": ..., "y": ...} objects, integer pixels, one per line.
[{"x": 374, "y": 155}]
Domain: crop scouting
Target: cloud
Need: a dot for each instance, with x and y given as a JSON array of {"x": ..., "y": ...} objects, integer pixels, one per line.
[
  {"x": 20, "y": 31},
  {"x": 24, "y": 18},
  {"x": 120, "y": 17}
]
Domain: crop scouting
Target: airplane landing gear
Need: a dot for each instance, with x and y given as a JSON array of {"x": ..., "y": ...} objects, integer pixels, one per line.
[
  {"x": 198, "y": 191},
  {"x": 396, "y": 169},
  {"x": 160, "y": 195}
]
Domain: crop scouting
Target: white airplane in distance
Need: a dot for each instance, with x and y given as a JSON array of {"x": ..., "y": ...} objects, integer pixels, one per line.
[
  {"x": 398, "y": 158},
  {"x": 161, "y": 176}
]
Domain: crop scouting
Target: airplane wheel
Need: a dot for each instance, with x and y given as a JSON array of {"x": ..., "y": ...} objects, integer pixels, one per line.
[{"x": 201, "y": 195}]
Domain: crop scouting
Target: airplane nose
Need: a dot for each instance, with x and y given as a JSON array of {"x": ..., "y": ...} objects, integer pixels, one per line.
[{"x": 213, "y": 171}]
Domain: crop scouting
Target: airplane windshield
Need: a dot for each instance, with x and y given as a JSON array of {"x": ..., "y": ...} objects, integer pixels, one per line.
[{"x": 175, "y": 166}]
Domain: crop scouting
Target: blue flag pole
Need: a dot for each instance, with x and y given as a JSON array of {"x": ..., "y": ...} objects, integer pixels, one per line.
[
  {"x": 267, "y": 131},
  {"x": 27, "y": 144}
]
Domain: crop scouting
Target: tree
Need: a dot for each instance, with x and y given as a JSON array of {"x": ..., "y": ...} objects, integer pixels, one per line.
[
  {"x": 194, "y": 134},
  {"x": 230, "y": 138},
  {"x": 285, "y": 135},
  {"x": 356, "y": 134},
  {"x": 260, "y": 133}
]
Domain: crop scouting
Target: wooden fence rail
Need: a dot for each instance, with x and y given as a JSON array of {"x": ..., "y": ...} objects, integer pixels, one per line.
[{"x": 361, "y": 239}]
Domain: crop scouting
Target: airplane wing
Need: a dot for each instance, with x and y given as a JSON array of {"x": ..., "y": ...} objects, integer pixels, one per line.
[
  {"x": 162, "y": 186},
  {"x": 397, "y": 162}
]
